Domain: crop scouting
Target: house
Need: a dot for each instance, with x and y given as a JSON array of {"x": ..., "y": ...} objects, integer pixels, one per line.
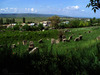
[
  {"x": 32, "y": 24},
  {"x": 87, "y": 19},
  {"x": 9, "y": 26},
  {"x": 66, "y": 22},
  {"x": 13, "y": 24},
  {"x": 23, "y": 24},
  {"x": 46, "y": 23}
]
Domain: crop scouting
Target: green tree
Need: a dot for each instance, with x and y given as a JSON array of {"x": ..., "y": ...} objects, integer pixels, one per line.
[
  {"x": 1, "y": 21},
  {"x": 95, "y": 4},
  {"x": 23, "y": 19},
  {"x": 54, "y": 21},
  {"x": 26, "y": 27},
  {"x": 10, "y": 21},
  {"x": 74, "y": 23},
  {"x": 7, "y": 21},
  {"x": 62, "y": 25},
  {"x": 16, "y": 27},
  {"x": 13, "y": 20},
  {"x": 40, "y": 27}
]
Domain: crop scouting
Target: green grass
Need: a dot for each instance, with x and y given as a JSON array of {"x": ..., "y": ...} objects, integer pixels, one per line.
[{"x": 81, "y": 57}]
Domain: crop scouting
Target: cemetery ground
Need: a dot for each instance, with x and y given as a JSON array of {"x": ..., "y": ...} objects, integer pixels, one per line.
[{"x": 54, "y": 51}]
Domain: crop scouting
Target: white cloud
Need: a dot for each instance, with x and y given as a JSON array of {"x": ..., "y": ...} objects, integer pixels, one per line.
[
  {"x": 18, "y": 10},
  {"x": 25, "y": 8},
  {"x": 72, "y": 7},
  {"x": 2, "y": 9},
  {"x": 32, "y": 9}
]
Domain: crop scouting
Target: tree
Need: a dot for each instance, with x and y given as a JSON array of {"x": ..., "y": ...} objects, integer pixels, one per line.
[
  {"x": 16, "y": 27},
  {"x": 95, "y": 4},
  {"x": 1, "y": 21},
  {"x": 40, "y": 27},
  {"x": 54, "y": 21},
  {"x": 23, "y": 19},
  {"x": 7, "y": 21},
  {"x": 74, "y": 23},
  {"x": 13, "y": 20},
  {"x": 26, "y": 27}
]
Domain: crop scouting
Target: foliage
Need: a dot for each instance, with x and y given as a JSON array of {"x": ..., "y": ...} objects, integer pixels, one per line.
[
  {"x": 62, "y": 25},
  {"x": 26, "y": 27},
  {"x": 95, "y": 4},
  {"x": 13, "y": 20},
  {"x": 40, "y": 27},
  {"x": 54, "y": 21},
  {"x": 1, "y": 21},
  {"x": 74, "y": 23},
  {"x": 24, "y": 20},
  {"x": 16, "y": 27}
]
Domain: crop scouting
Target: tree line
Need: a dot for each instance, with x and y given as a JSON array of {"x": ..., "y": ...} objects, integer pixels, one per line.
[{"x": 9, "y": 21}]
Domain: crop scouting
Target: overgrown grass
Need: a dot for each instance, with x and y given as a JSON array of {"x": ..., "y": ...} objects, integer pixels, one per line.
[{"x": 81, "y": 57}]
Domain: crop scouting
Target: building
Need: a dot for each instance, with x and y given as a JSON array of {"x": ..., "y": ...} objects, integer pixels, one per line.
[
  {"x": 32, "y": 24},
  {"x": 66, "y": 22},
  {"x": 46, "y": 23}
]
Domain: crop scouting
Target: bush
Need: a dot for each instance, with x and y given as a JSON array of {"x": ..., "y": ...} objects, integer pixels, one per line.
[
  {"x": 74, "y": 23},
  {"x": 62, "y": 25},
  {"x": 16, "y": 27},
  {"x": 40, "y": 27},
  {"x": 26, "y": 27}
]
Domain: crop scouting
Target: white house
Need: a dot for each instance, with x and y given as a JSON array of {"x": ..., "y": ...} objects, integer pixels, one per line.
[
  {"x": 13, "y": 24},
  {"x": 31, "y": 24},
  {"x": 46, "y": 23},
  {"x": 66, "y": 22}
]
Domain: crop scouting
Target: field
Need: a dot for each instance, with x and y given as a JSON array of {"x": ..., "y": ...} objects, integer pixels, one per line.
[
  {"x": 34, "y": 19},
  {"x": 74, "y": 57},
  {"x": 28, "y": 19}
]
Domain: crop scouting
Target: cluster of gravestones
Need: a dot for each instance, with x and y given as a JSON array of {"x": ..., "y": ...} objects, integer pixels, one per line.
[
  {"x": 78, "y": 38},
  {"x": 54, "y": 41},
  {"x": 67, "y": 31},
  {"x": 31, "y": 48},
  {"x": 66, "y": 40},
  {"x": 88, "y": 32},
  {"x": 63, "y": 38}
]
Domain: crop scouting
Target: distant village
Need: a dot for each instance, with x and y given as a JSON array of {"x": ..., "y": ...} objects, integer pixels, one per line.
[{"x": 45, "y": 23}]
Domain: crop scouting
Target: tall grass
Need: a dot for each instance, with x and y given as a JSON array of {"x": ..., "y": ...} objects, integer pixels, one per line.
[{"x": 82, "y": 57}]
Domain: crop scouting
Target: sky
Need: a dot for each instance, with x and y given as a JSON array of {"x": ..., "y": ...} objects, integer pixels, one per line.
[{"x": 72, "y": 8}]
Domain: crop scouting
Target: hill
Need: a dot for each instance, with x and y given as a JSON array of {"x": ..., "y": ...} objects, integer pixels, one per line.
[{"x": 26, "y": 15}]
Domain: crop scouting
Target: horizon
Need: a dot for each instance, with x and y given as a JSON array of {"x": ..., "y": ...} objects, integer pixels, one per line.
[
  {"x": 45, "y": 14},
  {"x": 71, "y": 8}
]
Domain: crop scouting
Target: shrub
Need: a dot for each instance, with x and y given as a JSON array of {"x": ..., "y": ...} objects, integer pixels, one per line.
[
  {"x": 40, "y": 27},
  {"x": 62, "y": 25},
  {"x": 26, "y": 27},
  {"x": 74, "y": 23},
  {"x": 16, "y": 27}
]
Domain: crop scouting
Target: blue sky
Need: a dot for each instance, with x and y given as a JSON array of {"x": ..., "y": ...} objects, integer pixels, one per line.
[{"x": 74, "y": 8}]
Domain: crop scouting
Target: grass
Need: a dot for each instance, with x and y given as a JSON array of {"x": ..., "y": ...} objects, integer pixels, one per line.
[{"x": 81, "y": 57}]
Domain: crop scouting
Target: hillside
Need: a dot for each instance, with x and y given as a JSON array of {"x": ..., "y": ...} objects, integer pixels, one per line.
[{"x": 26, "y": 15}]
